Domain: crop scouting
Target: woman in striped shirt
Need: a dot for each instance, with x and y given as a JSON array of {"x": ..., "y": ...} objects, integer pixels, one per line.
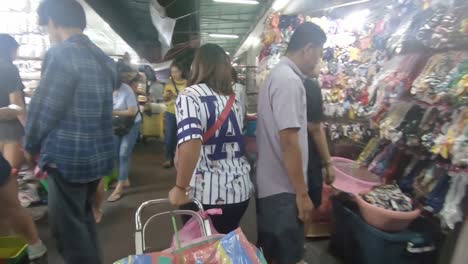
[{"x": 212, "y": 166}]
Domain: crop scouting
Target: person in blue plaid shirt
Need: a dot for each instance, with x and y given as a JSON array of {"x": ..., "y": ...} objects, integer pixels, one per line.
[{"x": 69, "y": 124}]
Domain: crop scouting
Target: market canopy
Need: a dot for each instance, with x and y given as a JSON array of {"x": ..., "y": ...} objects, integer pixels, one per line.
[{"x": 132, "y": 20}]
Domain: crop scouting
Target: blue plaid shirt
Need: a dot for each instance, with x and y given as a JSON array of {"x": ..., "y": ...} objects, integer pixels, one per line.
[{"x": 69, "y": 118}]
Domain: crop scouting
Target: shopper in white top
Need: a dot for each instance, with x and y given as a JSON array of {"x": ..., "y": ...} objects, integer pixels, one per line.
[
  {"x": 241, "y": 92},
  {"x": 213, "y": 170}
]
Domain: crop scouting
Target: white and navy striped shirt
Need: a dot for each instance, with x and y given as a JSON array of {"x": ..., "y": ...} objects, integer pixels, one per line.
[{"x": 222, "y": 172}]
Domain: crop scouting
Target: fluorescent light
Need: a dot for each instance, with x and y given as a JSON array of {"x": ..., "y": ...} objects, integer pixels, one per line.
[
  {"x": 224, "y": 36},
  {"x": 356, "y": 20},
  {"x": 279, "y": 4},
  {"x": 243, "y": 2},
  {"x": 227, "y": 52}
]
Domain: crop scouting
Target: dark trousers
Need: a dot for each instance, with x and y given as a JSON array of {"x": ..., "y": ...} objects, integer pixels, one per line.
[
  {"x": 280, "y": 232},
  {"x": 72, "y": 221},
  {"x": 170, "y": 135},
  {"x": 228, "y": 221}
]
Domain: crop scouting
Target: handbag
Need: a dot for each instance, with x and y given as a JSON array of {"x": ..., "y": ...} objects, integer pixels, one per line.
[{"x": 123, "y": 124}]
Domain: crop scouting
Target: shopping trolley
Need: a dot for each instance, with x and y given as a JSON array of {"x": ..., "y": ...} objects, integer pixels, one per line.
[{"x": 140, "y": 238}]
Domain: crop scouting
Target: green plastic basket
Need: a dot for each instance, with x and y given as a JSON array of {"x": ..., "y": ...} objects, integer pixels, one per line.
[{"x": 13, "y": 250}]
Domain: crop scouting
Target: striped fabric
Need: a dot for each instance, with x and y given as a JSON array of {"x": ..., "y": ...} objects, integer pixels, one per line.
[
  {"x": 70, "y": 115},
  {"x": 222, "y": 172}
]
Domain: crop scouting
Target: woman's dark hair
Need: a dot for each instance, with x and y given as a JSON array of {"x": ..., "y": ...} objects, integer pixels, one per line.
[
  {"x": 212, "y": 67},
  {"x": 179, "y": 66},
  {"x": 64, "y": 13},
  {"x": 7, "y": 46},
  {"x": 234, "y": 75}
]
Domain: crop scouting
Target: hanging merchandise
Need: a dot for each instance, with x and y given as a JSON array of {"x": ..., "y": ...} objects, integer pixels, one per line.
[
  {"x": 395, "y": 80},
  {"x": 389, "y": 197}
]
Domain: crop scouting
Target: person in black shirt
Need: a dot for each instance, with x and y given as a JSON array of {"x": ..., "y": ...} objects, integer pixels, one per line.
[
  {"x": 12, "y": 107},
  {"x": 319, "y": 155}
]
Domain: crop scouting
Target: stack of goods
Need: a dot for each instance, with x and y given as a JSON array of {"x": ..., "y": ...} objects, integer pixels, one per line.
[{"x": 389, "y": 197}]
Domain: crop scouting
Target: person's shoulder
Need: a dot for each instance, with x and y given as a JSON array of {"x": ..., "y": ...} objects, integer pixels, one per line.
[
  {"x": 125, "y": 88},
  {"x": 196, "y": 91},
  {"x": 284, "y": 73},
  {"x": 7, "y": 68}
]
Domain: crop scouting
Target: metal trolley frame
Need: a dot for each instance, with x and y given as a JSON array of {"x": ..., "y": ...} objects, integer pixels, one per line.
[{"x": 140, "y": 238}]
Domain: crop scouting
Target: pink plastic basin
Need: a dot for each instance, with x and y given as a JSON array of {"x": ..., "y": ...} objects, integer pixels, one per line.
[
  {"x": 352, "y": 178},
  {"x": 386, "y": 220}
]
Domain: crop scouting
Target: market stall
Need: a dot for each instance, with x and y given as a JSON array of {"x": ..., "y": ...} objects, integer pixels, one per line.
[{"x": 395, "y": 90}]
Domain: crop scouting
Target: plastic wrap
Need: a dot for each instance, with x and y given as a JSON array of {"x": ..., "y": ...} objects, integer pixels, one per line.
[
  {"x": 192, "y": 230},
  {"x": 233, "y": 248}
]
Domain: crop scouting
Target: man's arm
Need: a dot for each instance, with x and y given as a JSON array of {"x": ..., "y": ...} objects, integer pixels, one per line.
[
  {"x": 292, "y": 155},
  {"x": 50, "y": 102},
  {"x": 17, "y": 99},
  {"x": 318, "y": 135}
]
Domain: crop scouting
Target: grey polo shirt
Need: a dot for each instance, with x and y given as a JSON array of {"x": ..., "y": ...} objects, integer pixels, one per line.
[{"x": 281, "y": 105}]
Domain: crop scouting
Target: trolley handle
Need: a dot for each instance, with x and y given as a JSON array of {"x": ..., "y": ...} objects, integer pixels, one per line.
[
  {"x": 158, "y": 202},
  {"x": 140, "y": 241}
]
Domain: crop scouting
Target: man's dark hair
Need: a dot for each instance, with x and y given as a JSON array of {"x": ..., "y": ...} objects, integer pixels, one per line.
[
  {"x": 7, "y": 45},
  {"x": 305, "y": 34},
  {"x": 64, "y": 13}
]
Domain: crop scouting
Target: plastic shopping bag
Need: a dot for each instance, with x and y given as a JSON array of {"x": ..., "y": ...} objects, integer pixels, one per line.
[
  {"x": 191, "y": 230},
  {"x": 233, "y": 248}
]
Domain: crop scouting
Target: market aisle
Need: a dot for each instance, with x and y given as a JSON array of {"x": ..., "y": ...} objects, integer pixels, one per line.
[{"x": 150, "y": 181}]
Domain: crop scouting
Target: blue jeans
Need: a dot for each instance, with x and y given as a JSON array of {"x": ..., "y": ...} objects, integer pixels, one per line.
[
  {"x": 170, "y": 135},
  {"x": 124, "y": 148}
]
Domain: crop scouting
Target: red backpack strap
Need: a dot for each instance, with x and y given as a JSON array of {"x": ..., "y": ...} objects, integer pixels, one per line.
[{"x": 221, "y": 119}]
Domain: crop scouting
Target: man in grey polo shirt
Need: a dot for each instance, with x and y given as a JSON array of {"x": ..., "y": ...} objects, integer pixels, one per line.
[{"x": 284, "y": 204}]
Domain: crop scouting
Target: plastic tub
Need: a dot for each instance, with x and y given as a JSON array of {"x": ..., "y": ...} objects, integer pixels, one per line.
[
  {"x": 13, "y": 250},
  {"x": 357, "y": 242},
  {"x": 251, "y": 125},
  {"x": 383, "y": 219},
  {"x": 352, "y": 178}
]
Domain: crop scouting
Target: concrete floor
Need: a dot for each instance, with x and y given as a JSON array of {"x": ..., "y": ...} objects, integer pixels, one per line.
[{"x": 150, "y": 181}]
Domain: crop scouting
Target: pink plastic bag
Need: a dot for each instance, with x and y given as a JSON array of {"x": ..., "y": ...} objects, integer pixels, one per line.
[
  {"x": 191, "y": 230},
  {"x": 39, "y": 173}
]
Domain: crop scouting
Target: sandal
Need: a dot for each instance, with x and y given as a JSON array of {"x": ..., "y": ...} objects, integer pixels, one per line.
[{"x": 114, "y": 197}]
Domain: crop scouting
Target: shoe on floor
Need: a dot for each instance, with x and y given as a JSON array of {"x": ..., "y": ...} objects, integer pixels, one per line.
[
  {"x": 36, "y": 251},
  {"x": 168, "y": 165},
  {"x": 114, "y": 197}
]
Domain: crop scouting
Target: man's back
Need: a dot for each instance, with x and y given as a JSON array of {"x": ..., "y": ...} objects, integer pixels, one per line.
[
  {"x": 71, "y": 111},
  {"x": 281, "y": 105}
]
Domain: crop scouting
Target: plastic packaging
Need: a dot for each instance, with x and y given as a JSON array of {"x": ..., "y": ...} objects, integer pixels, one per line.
[{"x": 191, "y": 229}]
